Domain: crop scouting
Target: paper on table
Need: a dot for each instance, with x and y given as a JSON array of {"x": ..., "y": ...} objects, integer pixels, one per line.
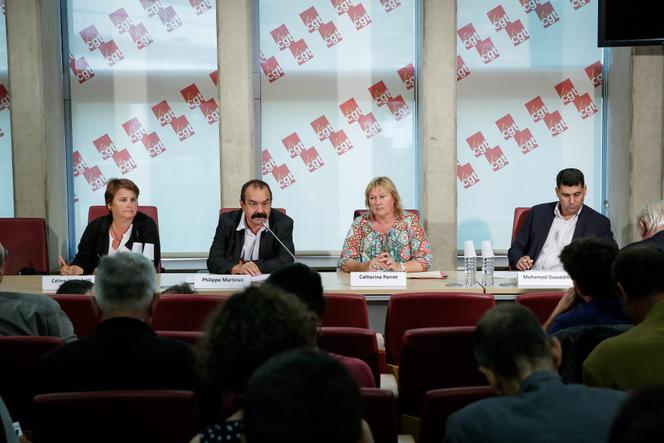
[
  {"x": 259, "y": 277},
  {"x": 427, "y": 274}
]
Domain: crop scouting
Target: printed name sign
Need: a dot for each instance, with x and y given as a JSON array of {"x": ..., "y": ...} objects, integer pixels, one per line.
[
  {"x": 220, "y": 281},
  {"x": 378, "y": 279},
  {"x": 51, "y": 283},
  {"x": 543, "y": 279}
]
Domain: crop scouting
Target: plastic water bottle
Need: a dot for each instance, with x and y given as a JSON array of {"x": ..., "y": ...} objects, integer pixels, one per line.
[
  {"x": 487, "y": 263},
  {"x": 469, "y": 263}
]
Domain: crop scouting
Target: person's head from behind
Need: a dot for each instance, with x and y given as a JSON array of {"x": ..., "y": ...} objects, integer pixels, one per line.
[
  {"x": 180, "y": 288},
  {"x": 251, "y": 327},
  {"x": 300, "y": 280},
  {"x": 3, "y": 257},
  {"x": 651, "y": 219},
  {"x": 638, "y": 273},
  {"x": 570, "y": 190},
  {"x": 125, "y": 286},
  {"x": 640, "y": 418},
  {"x": 77, "y": 286},
  {"x": 302, "y": 396},
  {"x": 510, "y": 344},
  {"x": 588, "y": 262}
]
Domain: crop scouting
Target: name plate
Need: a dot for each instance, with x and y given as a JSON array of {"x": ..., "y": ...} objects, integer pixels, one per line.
[
  {"x": 51, "y": 283},
  {"x": 543, "y": 279},
  {"x": 221, "y": 281},
  {"x": 378, "y": 279}
]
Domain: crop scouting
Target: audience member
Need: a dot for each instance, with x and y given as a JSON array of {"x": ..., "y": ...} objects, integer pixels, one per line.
[
  {"x": 634, "y": 359},
  {"x": 252, "y": 326},
  {"x": 651, "y": 225},
  {"x": 641, "y": 418},
  {"x": 7, "y": 434},
  {"x": 303, "y": 396},
  {"x": 181, "y": 288},
  {"x": 592, "y": 300},
  {"x": 299, "y": 279},
  {"x": 82, "y": 287},
  {"x": 31, "y": 314},
  {"x": 519, "y": 361},
  {"x": 124, "y": 352}
]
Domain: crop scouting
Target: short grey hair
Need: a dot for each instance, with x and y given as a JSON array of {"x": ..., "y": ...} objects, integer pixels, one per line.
[
  {"x": 3, "y": 254},
  {"x": 124, "y": 281},
  {"x": 652, "y": 215}
]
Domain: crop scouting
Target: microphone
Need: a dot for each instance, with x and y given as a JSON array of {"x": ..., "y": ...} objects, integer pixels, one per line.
[{"x": 267, "y": 228}]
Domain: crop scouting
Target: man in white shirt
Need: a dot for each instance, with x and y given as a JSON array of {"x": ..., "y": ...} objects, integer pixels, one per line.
[
  {"x": 243, "y": 244},
  {"x": 549, "y": 227}
]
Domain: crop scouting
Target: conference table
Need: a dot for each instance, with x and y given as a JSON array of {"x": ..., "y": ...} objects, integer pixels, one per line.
[{"x": 504, "y": 288}]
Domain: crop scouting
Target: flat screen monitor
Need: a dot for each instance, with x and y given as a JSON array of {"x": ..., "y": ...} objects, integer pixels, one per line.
[{"x": 628, "y": 23}]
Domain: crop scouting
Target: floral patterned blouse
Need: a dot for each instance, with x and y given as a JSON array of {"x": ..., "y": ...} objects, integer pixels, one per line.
[{"x": 405, "y": 241}]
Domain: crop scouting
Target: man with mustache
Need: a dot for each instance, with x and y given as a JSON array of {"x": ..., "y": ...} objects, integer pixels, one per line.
[
  {"x": 242, "y": 243},
  {"x": 550, "y": 227}
]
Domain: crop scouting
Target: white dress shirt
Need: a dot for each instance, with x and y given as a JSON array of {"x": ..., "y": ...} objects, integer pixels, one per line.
[
  {"x": 560, "y": 235},
  {"x": 123, "y": 242},
  {"x": 252, "y": 242}
]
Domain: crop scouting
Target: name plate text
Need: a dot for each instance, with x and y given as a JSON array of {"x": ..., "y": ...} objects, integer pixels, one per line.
[
  {"x": 51, "y": 283},
  {"x": 221, "y": 281},
  {"x": 543, "y": 279},
  {"x": 378, "y": 279}
]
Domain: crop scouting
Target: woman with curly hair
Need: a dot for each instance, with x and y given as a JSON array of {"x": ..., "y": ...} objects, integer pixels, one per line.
[{"x": 252, "y": 326}]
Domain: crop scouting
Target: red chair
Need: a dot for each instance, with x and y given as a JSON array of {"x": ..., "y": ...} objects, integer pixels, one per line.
[
  {"x": 541, "y": 303},
  {"x": 520, "y": 215},
  {"x": 188, "y": 312},
  {"x": 26, "y": 244},
  {"x": 427, "y": 310},
  {"x": 166, "y": 416},
  {"x": 348, "y": 310},
  {"x": 435, "y": 358},
  {"x": 80, "y": 311},
  {"x": 352, "y": 342},
  {"x": 225, "y": 210},
  {"x": 18, "y": 383},
  {"x": 359, "y": 212},
  {"x": 194, "y": 338},
  {"x": 439, "y": 404},
  {"x": 380, "y": 412},
  {"x": 100, "y": 211}
]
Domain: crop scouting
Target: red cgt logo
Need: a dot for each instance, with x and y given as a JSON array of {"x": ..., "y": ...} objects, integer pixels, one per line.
[
  {"x": 322, "y": 127},
  {"x": 192, "y": 95},
  {"x": 407, "y": 75},
  {"x": 80, "y": 68},
  {"x": 507, "y": 126},
  {"x": 380, "y": 93},
  {"x": 182, "y": 128},
  {"x": 151, "y": 7},
  {"x": 124, "y": 161},
  {"x": 517, "y": 32},
  {"x": 462, "y": 69},
  {"x": 91, "y": 37},
  {"x": 79, "y": 164},
  {"x": 584, "y": 104},
  {"x": 120, "y": 20},
  {"x": 536, "y": 109},
  {"x": 340, "y": 142},
  {"x": 547, "y": 15},
  {"x": 311, "y": 19},
  {"x": 163, "y": 112},
  {"x": 105, "y": 146},
  {"x": 293, "y": 144},
  {"x": 4, "y": 98},
  {"x": 272, "y": 70},
  {"x": 311, "y": 159},
  {"x": 139, "y": 34},
  {"x": 283, "y": 176},
  {"x": 169, "y": 18},
  {"x": 478, "y": 144},
  {"x": 134, "y": 129},
  {"x": 466, "y": 174},
  {"x": 350, "y": 110},
  {"x": 469, "y": 36},
  {"x": 369, "y": 125},
  {"x": 359, "y": 16},
  {"x": 594, "y": 73},
  {"x": 341, "y": 6},
  {"x": 496, "y": 158},
  {"x": 282, "y": 37},
  {"x": 268, "y": 162},
  {"x": 498, "y": 18},
  {"x": 301, "y": 51},
  {"x": 554, "y": 121},
  {"x": 111, "y": 52},
  {"x": 398, "y": 108},
  {"x": 153, "y": 144},
  {"x": 95, "y": 178},
  {"x": 390, "y": 5},
  {"x": 329, "y": 33},
  {"x": 487, "y": 50},
  {"x": 210, "y": 111},
  {"x": 566, "y": 91},
  {"x": 525, "y": 140}
]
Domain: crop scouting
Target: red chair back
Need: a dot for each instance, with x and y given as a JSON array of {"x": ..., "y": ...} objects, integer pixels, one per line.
[
  {"x": 166, "y": 416},
  {"x": 194, "y": 338},
  {"x": 18, "y": 383},
  {"x": 80, "y": 311},
  {"x": 359, "y": 212},
  {"x": 26, "y": 244},
  {"x": 349, "y": 310},
  {"x": 380, "y": 412},
  {"x": 439, "y": 404},
  {"x": 352, "y": 342},
  {"x": 436, "y": 358},
  {"x": 225, "y": 210},
  {"x": 541, "y": 303},
  {"x": 186, "y": 312},
  {"x": 100, "y": 211},
  {"x": 428, "y": 310},
  {"x": 520, "y": 215}
]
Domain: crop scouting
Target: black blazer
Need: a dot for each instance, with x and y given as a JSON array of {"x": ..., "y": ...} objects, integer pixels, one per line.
[
  {"x": 535, "y": 229},
  {"x": 656, "y": 240},
  {"x": 94, "y": 241},
  {"x": 228, "y": 242}
]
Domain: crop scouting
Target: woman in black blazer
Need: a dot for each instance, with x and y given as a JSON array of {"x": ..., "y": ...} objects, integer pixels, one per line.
[{"x": 117, "y": 231}]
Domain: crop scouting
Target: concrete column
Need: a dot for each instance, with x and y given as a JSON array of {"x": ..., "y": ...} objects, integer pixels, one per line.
[
  {"x": 236, "y": 96},
  {"x": 437, "y": 95},
  {"x": 37, "y": 116}
]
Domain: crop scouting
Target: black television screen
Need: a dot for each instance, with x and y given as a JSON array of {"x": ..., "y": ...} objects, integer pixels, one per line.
[{"x": 628, "y": 23}]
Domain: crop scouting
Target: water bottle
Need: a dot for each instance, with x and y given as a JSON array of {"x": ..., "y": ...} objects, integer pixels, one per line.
[
  {"x": 469, "y": 263},
  {"x": 487, "y": 263}
]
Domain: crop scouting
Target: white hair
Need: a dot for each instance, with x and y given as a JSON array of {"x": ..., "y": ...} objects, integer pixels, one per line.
[
  {"x": 652, "y": 216},
  {"x": 124, "y": 281}
]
